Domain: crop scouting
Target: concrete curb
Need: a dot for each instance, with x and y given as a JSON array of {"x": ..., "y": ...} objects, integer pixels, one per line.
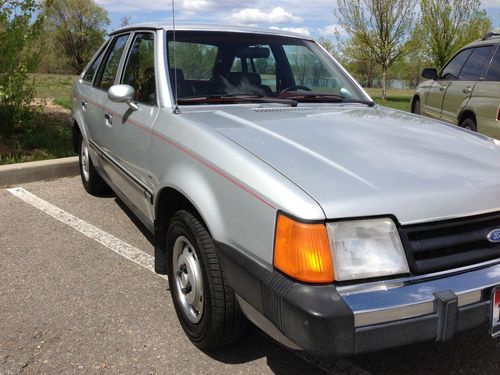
[{"x": 13, "y": 174}]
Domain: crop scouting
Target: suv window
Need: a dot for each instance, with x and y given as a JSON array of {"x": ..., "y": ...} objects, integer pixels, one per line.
[
  {"x": 107, "y": 72},
  {"x": 475, "y": 64},
  {"x": 494, "y": 71},
  {"x": 140, "y": 68},
  {"x": 90, "y": 73},
  {"x": 450, "y": 72}
]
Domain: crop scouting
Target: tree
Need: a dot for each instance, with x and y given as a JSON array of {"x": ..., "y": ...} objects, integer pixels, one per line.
[
  {"x": 125, "y": 21},
  {"x": 19, "y": 53},
  {"x": 380, "y": 27},
  {"x": 78, "y": 27},
  {"x": 448, "y": 25}
]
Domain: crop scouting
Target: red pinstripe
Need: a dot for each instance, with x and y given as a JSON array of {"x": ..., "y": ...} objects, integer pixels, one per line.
[{"x": 181, "y": 148}]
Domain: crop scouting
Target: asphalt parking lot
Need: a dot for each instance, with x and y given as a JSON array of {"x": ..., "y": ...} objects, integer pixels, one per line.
[{"x": 70, "y": 303}]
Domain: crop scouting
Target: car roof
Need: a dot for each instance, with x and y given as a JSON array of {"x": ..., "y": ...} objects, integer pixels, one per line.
[{"x": 210, "y": 27}]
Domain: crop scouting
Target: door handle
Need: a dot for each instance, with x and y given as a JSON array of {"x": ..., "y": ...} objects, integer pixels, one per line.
[
  {"x": 441, "y": 88},
  {"x": 467, "y": 90},
  {"x": 109, "y": 118},
  {"x": 84, "y": 105}
]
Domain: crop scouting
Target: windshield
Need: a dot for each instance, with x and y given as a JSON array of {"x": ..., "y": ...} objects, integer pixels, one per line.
[{"x": 224, "y": 67}]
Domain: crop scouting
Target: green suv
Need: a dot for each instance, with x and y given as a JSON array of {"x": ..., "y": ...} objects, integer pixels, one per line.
[{"x": 466, "y": 92}]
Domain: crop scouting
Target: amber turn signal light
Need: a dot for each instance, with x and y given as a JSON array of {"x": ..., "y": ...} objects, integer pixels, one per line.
[{"x": 302, "y": 251}]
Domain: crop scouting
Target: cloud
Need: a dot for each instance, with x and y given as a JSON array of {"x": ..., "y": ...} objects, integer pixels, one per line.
[
  {"x": 298, "y": 30},
  {"x": 191, "y": 6},
  {"x": 257, "y": 16},
  {"x": 332, "y": 30}
]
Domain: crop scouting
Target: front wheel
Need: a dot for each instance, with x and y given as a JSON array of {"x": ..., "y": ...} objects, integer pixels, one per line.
[{"x": 205, "y": 305}]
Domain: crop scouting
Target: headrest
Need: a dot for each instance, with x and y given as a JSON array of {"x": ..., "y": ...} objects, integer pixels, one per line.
[{"x": 238, "y": 78}]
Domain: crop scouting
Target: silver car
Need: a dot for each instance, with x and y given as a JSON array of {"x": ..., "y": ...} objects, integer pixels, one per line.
[{"x": 279, "y": 193}]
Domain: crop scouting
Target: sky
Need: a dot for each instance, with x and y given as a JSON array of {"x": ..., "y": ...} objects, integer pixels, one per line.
[{"x": 310, "y": 17}]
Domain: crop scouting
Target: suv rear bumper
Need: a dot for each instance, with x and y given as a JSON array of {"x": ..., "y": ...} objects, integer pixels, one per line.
[{"x": 340, "y": 321}]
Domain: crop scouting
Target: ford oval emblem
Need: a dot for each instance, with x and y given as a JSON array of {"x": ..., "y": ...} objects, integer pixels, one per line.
[{"x": 494, "y": 235}]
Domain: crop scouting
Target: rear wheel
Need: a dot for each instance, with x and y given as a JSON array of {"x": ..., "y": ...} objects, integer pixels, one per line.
[
  {"x": 469, "y": 124},
  {"x": 206, "y": 306},
  {"x": 92, "y": 182}
]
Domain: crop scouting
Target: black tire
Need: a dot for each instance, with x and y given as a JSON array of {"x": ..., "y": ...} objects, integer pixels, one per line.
[
  {"x": 92, "y": 182},
  {"x": 214, "y": 319},
  {"x": 469, "y": 124},
  {"x": 416, "y": 107}
]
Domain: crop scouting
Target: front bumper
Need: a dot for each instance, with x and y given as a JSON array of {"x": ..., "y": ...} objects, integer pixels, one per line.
[{"x": 330, "y": 320}]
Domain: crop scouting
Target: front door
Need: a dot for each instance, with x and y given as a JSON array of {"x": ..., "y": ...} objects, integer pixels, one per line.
[
  {"x": 460, "y": 90},
  {"x": 130, "y": 129},
  {"x": 434, "y": 101}
]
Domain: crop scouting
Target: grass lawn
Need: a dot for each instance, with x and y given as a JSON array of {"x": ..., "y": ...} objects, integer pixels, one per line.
[
  {"x": 396, "y": 98},
  {"x": 45, "y": 135},
  {"x": 54, "y": 86}
]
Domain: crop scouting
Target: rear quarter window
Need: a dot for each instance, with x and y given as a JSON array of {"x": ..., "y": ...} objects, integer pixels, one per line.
[{"x": 494, "y": 71}]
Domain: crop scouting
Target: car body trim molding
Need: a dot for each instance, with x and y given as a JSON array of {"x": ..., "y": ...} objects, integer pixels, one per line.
[
  {"x": 148, "y": 193},
  {"x": 199, "y": 159}
]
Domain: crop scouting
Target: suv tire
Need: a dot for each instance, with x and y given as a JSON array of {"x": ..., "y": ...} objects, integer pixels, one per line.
[
  {"x": 205, "y": 305},
  {"x": 469, "y": 124}
]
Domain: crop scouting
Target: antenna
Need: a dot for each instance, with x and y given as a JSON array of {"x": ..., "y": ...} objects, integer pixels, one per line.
[{"x": 176, "y": 107}]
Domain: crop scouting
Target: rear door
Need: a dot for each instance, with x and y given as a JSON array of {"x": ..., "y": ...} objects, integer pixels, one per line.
[
  {"x": 434, "y": 100},
  {"x": 129, "y": 130},
  {"x": 86, "y": 90},
  {"x": 99, "y": 137},
  {"x": 460, "y": 90}
]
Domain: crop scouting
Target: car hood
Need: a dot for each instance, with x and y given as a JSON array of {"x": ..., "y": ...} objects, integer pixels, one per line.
[{"x": 359, "y": 161}]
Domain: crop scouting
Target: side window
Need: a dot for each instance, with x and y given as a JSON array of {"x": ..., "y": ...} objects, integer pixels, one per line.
[
  {"x": 140, "y": 68},
  {"x": 107, "y": 71},
  {"x": 494, "y": 71},
  {"x": 90, "y": 73},
  {"x": 474, "y": 66},
  {"x": 451, "y": 71}
]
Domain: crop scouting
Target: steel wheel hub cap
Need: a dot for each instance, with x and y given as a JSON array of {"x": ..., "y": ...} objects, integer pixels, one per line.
[
  {"x": 188, "y": 279},
  {"x": 85, "y": 162}
]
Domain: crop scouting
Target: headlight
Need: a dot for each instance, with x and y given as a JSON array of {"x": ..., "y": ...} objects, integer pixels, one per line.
[{"x": 366, "y": 248}]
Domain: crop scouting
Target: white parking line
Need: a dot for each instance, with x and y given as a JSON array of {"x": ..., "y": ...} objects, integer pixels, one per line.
[{"x": 111, "y": 242}]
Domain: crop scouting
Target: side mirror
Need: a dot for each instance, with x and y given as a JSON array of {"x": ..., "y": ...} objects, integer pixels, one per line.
[
  {"x": 430, "y": 73},
  {"x": 123, "y": 94}
]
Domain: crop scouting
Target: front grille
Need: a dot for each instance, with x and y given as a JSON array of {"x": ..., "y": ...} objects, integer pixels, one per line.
[{"x": 449, "y": 244}]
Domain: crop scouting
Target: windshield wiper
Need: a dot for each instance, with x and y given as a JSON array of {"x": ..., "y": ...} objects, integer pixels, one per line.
[
  {"x": 325, "y": 98},
  {"x": 235, "y": 98}
]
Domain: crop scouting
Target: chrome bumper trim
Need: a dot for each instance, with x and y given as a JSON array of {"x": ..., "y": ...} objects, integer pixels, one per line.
[{"x": 381, "y": 305}]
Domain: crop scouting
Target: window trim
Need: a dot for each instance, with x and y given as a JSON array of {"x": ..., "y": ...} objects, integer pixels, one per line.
[
  {"x": 487, "y": 69},
  {"x": 483, "y": 70},
  {"x": 106, "y": 57},
  {"x": 128, "y": 51},
  {"x": 101, "y": 51}
]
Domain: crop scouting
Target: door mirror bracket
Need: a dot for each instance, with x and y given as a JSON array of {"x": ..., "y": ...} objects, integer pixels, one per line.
[{"x": 123, "y": 94}]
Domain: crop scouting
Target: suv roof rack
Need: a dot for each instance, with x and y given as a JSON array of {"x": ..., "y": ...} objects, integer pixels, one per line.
[{"x": 490, "y": 34}]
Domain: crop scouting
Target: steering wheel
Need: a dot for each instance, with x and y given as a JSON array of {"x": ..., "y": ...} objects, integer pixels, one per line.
[{"x": 295, "y": 88}]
